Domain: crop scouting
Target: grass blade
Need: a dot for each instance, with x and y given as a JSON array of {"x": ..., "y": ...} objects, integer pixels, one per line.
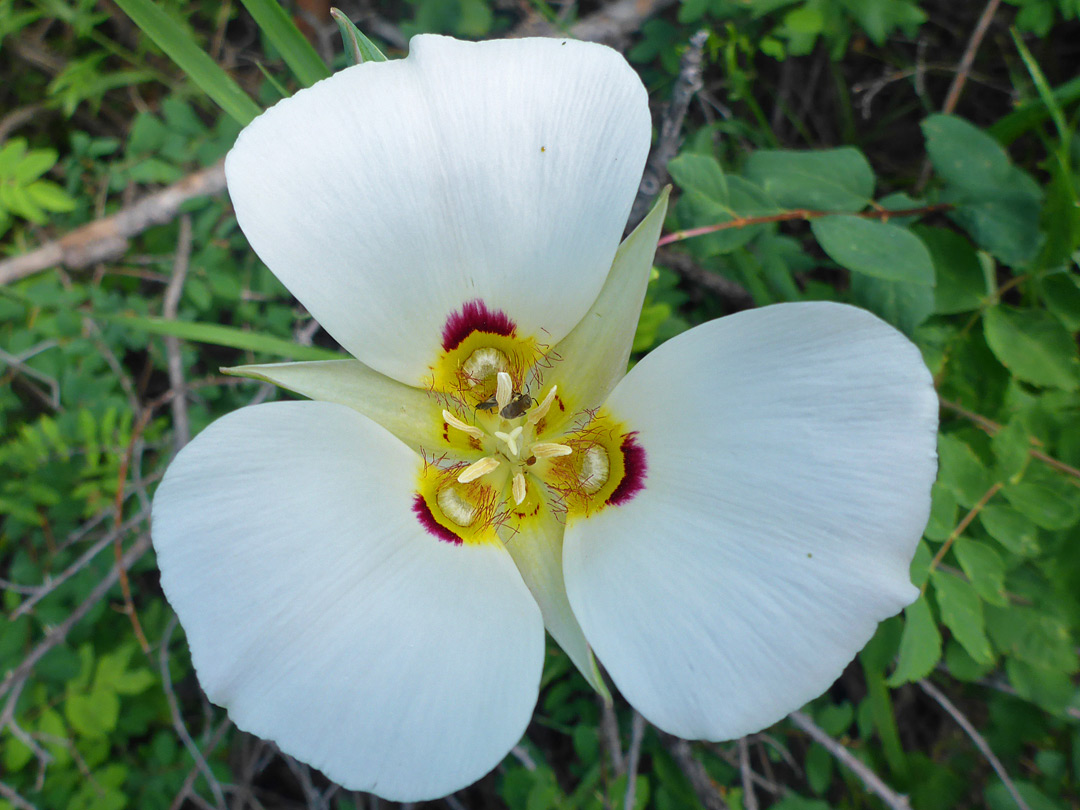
[
  {"x": 286, "y": 38},
  {"x": 358, "y": 48},
  {"x": 219, "y": 335},
  {"x": 190, "y": 58}
]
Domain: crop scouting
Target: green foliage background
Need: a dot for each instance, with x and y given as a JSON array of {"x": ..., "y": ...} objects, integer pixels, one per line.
[{"x": 817, "y": 119}]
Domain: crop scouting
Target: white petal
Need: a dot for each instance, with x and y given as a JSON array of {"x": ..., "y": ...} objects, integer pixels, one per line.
[
  {"x": 392, "y": 193},
  {"x": 790, "y": 452},
  {"x": 325, "y": 618}
]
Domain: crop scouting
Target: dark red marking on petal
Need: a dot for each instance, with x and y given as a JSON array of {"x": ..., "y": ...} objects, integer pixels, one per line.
[
  {"x": 475, "y": 317},
  {"x": 427, "y": 520},
  {"x": 635, "y": 467}
]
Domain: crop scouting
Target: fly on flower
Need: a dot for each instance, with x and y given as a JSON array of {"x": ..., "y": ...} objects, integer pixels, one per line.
[{"x": 366, "y": 578}]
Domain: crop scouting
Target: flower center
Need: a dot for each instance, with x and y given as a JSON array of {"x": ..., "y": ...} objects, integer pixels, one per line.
[{"x": 509, "y": 457}]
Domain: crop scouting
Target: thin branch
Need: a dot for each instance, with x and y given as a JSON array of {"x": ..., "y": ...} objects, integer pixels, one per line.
[
  {"x": 746, "y": 775},
  {"x": 178, "y": 718},
  {"x": 611, "y": 24},
  {"x": 107, "y": 238},
  {"x": 872, "y": 781},
  {"x": 961, "y": 527},
  {"x": 732, "y": 294},
  {"x": 968, "y": 59},
  {"x": 667, "y": 145},
  {"x": 609, "y": 731},
  {"x": 17, "y": 801},
  {"x": 880, "y": 214},
  {"x": 170, "y": 305},
  {"x": 186, "y": 790},
  {"x": 976, "y": 738},
  {"x": 637, "y": 734},
  {"x": 704, "y": 787}
]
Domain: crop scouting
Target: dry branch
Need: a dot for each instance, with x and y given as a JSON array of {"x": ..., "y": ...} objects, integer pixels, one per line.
[
  {"x": 107, "y": 238},
  {"x": 633, "y": 758},
  {"x": 704, "y": 787},
  {"x": 872, "y": 781}
]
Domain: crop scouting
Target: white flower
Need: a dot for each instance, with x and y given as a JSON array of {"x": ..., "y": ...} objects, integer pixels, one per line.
[{"x": 366, "y": 579}]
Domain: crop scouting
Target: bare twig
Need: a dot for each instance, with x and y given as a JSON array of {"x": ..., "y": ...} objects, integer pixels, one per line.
[
  {"x": 108, "y": 238},
  {"x": 703, "y": 785},
  {"x": 746, "y": 774},
  {"x": 178, "y": 718},
  {"x": 609, "y": 730},
  {"x": 637, "y": 734},
  {"x": 961, "y": 527},
  {"x": 734, "y": 296},
  {"x": 181, "y": 426},
  {"x": 8, "y": 793},
  {"x": 187, "y": 789},
  {"x": 667, "y": 145},
  {"x": 976, "y": 738},
  {"x": 872, "y": 781}
]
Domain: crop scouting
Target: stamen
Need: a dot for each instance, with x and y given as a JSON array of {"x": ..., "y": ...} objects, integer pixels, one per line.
[
  {"x": 504, "y": 389},
  {"x": 595, "y": 469},
  {"x": 510, "y": 438},
  {"x": 541, "y": 410},
  {"x": 454, "y": 422},
  {"x": 519, "y": 488},
  {"x": 478, "y": 469},
  {"x": 550, "y": 450},
  {"x": 459, "y": 510}
]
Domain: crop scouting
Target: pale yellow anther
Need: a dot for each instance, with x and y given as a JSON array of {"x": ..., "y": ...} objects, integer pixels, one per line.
[
  {"x": 454, "y": 422},
  {"x": 504, "y": 389},
  {"x": 550, "y": 450},
  {"x": 541, "y": 410},
  {"x": 519, "y": 488},
  {"x": 478, "y": 469},
  {"x": 510, "y": 438}
]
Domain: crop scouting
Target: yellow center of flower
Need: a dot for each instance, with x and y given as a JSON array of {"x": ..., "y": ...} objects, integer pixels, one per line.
[{"x": 508, "y": 456}]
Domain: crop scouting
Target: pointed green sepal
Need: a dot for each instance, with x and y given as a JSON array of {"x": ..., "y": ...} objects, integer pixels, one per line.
[
  {"x": 358, "y": 48},
  {"x": 594, "y": 356},
  {"x": 411, "y": 414}
]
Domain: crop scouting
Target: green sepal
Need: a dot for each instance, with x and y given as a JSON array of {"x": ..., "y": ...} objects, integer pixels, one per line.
[{"x": 358, "y": 48}]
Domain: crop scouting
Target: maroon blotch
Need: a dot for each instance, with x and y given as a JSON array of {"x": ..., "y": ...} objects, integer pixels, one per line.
[
  {"x": 635, "y": 467},
  {"x": 475, "y": 317},
  {"x": 428, "y": 521}
]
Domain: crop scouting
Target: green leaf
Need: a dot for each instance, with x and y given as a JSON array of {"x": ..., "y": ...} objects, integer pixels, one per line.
[
  {"x": 94, "y": 714},
  {"x": 998, "y": 797},
  {"x": 11, "y": 155},
  {"x": 173, "y": 38},
  {"x": 358, "y": 48},
  {"x": 962, "y": 471},
  {"x": 962, "y": 666},
  {"x": 984, "y": 568},
  {"x": 920, "y": 645},
  {"x": 35, "y": 164},
  {"x": 1050, "y": 689},
  {"x": 1044, "y": 505},
  {"x": 1061, "y": 294},
  {"x": 961, "y": 284},
  {"x": 218, "y": 335},
  {"x": 878, "y": 249},
  {"x": 830, "y": 180},
  {"x": 1010, "y": 528},
  {"x": 943, "y": 508},
  {"x": 962, "y": 612},
  {"x": 1033, "y": 636},
  {"x": 1033, "y": 345},
  {"x": 50, "y": 196},
  {"x": 903, "y": 304},
  {"x": 287, "y": 40}
]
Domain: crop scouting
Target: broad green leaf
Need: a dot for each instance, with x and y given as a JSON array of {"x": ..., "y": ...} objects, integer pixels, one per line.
[
  {"x": 1011, "y": 446},
  {"x": 943, "y": 508},
  {"x": 984, "y": 568},
  {"x": 173, "y": 38},
  {"x": 828, "y": 180},
  {"x": 1061, "y": 294},
  {"x": 358, "y": 48},
  {"x": 11, "y": 155},
  {"x": 998, "y": 797},
  {"x": 219, "y": 335},
  {"x": 878, "y": 249},
  {"x": 962, "y": 471},
  {"x": 962, "y": 612},
  {"x": 1033, "y": 636},
  {"x": 286, "y": 38},
  {"x": 902, "y": 303},
  {"x": 961, "y": 284},
  {"x": 920, "y": 564},
  {"x": 1033, "y": 345},
  {"x": 35, "y": 164},
  {"x": 93, "y": 714},
  {"x": 50, "y": 196},
  {"x": 1010, "y": 528},
  {"x": 1051, "y": 689},
  {"x": 962, "y": 666},
  {"x": 920, "y": 645},
  {"x": 1044, "y": 505}
]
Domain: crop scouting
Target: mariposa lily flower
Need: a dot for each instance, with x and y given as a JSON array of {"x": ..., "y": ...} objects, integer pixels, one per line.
[{"x": 366, "y": 578}]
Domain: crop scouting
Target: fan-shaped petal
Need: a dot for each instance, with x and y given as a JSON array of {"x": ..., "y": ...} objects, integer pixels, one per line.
[
  {"x": 325, "y": 618},
  {"x": 789, "y": 455},
  {"x": 393, "y": 193}
]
